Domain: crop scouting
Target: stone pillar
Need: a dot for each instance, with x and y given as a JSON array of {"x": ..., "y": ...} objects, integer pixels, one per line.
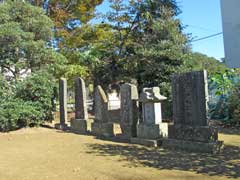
[
  {"x": 129, "y": 110},
  {"x": 190, "y": 130},
  {"x": 151, "y": 128},
  {"x": 79, "y": 124},
  {"x": 101, "y": 125},
  {"x": 63, "y": 104}
]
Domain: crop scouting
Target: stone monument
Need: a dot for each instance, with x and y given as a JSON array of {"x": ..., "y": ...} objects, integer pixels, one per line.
[
  {"x": 101, "y": 125},
  {"x": 63, "y": 104},
  {"x": 191, "y": 130},
  {"x": 129, "y": 110},
  {"x": 151, "y": 128},
  {"x": 79, "y": 124}
]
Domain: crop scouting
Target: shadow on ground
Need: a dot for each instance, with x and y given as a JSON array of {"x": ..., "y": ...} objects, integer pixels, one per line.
[{"x": 225, "y": 164}]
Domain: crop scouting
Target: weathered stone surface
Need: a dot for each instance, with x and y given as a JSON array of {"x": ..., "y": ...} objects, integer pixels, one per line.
[
  {"x": 101, "y": 105},
  {"x": 154, "y": 131},
  {"x": 63, "y": 100},
  {"x": 192, "y": 146},
  {"x": 80, "y": 100},
  {"x": 102, "y": 129},
  {"x": 79, "y": 125},
  {"x": 151, "y": 113},
  {"x": 190, "y": 96},
  {"x": 129, "y": 110},
  {"x": 191, "y": 133}
]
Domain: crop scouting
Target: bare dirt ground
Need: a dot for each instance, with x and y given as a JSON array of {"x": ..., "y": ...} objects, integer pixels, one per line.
[{"x": 41, "y": 153}]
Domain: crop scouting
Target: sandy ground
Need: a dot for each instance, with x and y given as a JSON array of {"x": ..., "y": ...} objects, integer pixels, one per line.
[{"x": 41, "y": 153}]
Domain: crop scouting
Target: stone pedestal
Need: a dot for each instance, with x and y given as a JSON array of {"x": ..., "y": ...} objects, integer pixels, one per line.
[
  {"x": 151, "y": 128},
  {"x": 154, "y": 131},
  {"x": 102, "y": 129},
  {"x": 79, "y": 125}
]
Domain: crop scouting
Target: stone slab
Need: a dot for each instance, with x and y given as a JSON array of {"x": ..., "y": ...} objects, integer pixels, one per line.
[
  {"x": 80, "y": 99},
  {"x": 129, "y": 110},
  {"x": 144, "y": 142},
  {"x": 63, "y": 100},
  {"x": 192, "y": 146},
  {"x": 190, "y": 97},
  {"x": 79, "y": 125},
  {"x": 190, "y": 133},
  {"x": 102, "y": 129},
  {"x": 101, "y": 105},
  {"x": 154, "y": 131}
]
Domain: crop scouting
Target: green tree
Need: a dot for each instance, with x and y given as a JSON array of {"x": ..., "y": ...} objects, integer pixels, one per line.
[
  {"x": 25, "y": 33},
  {"x": 197, "y": 61},
  {"x": 146, "y": 44}
]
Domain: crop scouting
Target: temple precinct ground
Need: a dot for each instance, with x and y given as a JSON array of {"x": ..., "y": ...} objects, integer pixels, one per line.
[{"x": 43, "y": 153}]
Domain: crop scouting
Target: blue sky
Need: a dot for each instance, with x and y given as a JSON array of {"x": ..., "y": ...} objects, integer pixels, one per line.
[{"x": 202, "y": 18}]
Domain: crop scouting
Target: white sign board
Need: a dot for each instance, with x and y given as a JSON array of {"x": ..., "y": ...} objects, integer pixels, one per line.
[{"x": 231, "y": 31}]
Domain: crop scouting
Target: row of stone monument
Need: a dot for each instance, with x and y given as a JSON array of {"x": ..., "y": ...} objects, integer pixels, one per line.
[{"x": 190, "y": 130}]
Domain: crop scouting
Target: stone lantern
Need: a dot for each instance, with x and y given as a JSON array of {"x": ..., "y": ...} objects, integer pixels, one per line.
[{"x": 151, "y": 128}]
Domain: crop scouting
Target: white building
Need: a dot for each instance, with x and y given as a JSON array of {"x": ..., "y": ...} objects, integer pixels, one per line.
[{"x": 231, "y": 31}]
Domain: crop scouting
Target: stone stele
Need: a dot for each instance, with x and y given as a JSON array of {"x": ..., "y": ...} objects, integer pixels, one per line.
[
  {"x": 101, "y": 125},
  {"x": 79, "y": 124}
]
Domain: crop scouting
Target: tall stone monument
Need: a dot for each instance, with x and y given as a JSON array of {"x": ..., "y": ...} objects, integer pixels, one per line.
[
  {"x": 191, "y": 130},
  {"x": 151, "y": 128},
  {"x": 79, "y": 124},
  {"x": 63, "y": 104},
  {"x": 129, "y": 110},
  {"x": 101, "y": 125}
]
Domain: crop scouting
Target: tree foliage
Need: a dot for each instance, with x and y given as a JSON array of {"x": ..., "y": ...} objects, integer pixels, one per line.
[{"x": 25, "y": 31}]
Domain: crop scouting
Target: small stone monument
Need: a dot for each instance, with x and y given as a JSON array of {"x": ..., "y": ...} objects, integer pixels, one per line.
[
  {"x": 63, "y": 104},
  {"x": 151, "y": 128},
  {"x": 79, "y": 124},
  {"x": 191, "y": 131},
  {"x": 101, "y": 125},
  {"x": 129, "y": 110}
]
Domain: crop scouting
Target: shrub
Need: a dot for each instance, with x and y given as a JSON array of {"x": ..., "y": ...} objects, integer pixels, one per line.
[
  {"x": 15, "y": 113},
  {"x": 234, "y": 105},
  {"x": 38, "y": 88}
]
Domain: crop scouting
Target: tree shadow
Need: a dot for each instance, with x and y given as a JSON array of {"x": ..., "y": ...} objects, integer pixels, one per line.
[{"x": 225, "y": 164}]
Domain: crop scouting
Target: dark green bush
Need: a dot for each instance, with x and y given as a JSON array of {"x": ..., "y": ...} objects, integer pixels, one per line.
[
  {"x": 38, "y": 88},
  {"x": 15, "y": 113},
  {"x": 234, "y": 105},
  {"x": 27, "y": 102}
]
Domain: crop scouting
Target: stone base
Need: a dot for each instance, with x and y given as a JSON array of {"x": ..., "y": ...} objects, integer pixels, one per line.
[
  {"x": 145, "y": 142},
  {"x": 102, "y": 129},
  {"x": 192, "y": 146},
  {"x": 190, "y": 133},
  {"x": 61, "y": 126},
  {"x": 79, "y": 125},
  {"x": 154, "y": 131},
  {"x": 128, "y": 131}
]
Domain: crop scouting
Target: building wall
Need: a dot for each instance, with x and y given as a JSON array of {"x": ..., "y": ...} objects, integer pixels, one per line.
[{"x": 231, "y": 31}]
